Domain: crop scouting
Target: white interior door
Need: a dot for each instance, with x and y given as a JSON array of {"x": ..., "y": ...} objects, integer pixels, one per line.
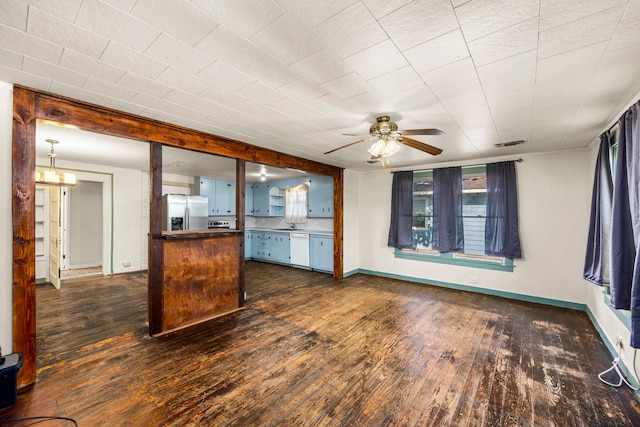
[{"x": 54, "y": 236}]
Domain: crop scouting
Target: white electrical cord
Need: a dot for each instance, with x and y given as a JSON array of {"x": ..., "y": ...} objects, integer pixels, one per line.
[{"x": 621, "y": 377}]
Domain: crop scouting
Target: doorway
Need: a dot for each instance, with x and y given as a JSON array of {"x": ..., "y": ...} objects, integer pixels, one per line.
[{"x": 82, "y": 234}]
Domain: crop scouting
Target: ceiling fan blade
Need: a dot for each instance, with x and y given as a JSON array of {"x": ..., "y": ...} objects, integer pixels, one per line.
[
  {"x": 349, "y": 145},
  {"x": 434, "y": 151},
  {"x": 356, "y": 134},
  {"x": 421, "y": 132}
]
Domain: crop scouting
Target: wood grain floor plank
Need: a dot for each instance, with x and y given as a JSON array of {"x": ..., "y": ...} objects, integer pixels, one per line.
[{"x": 311, "y": 351}]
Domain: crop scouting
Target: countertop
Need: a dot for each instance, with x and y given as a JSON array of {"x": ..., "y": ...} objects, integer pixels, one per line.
[{"x": 289, "y": 230}]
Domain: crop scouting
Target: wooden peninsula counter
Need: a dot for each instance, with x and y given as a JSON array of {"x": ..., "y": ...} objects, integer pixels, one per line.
[{"x": 200, "y": 277}]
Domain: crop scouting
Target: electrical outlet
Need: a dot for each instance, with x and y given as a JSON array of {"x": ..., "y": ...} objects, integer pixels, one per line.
[
  {"x": 473, "y": 279},
  {"x": 618, "y": 342},
  {"x": 126, "y": 264}
]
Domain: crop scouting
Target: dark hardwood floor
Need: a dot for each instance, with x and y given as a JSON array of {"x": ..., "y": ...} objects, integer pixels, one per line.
[{"x": 311, "y": 351}]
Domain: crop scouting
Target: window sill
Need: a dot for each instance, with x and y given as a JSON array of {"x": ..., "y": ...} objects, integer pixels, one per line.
[{"x": 448, "y": 258}]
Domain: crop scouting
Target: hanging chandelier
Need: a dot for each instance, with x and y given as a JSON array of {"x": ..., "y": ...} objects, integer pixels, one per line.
[{"x": 51, "y": 176}]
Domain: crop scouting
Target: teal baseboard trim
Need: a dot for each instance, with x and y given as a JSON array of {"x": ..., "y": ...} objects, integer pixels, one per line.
[
  {"x": 351, "y": 273},
  {"x": 503, "y": 294},
  {"x": 612, "y": 350}
]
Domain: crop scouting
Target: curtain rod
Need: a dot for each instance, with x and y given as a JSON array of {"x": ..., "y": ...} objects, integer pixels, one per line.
[{"x": 519, "y": 160}]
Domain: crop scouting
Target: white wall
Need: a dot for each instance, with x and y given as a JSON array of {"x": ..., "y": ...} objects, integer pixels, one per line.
[
  {"x": 130, "y": 214},
  {"x": 554, "y": 199},
  {"x": 351, "y": 229},
  {"x": 6, "y": 231}
]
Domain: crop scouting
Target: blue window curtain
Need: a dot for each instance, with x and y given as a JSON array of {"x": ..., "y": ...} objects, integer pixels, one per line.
[
  {"x": 596, "y": 265},
  {"x": 400, "y": 235},
  {"x": 448, "y": 232},
  {"x": 625, "y": 221},
  {"x": 501, "y": 235}
]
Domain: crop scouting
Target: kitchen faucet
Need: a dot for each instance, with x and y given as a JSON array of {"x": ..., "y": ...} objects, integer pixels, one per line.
[{"x": 293, "y": 226}]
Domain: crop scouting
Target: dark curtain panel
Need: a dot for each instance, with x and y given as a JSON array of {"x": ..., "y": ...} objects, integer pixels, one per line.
[
  {"x": 596, "y": 266},
  {"x": 448, "y": 232},
  {"x": 625, "y": 222},
  {"x": 401, "y": 210},
  {"x": 501, "y": 235}
]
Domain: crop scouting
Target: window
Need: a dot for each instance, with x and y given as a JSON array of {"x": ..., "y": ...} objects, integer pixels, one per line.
[{"x": 474, "y": 206}]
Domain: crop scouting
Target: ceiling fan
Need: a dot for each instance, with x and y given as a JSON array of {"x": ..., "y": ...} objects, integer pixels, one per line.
[{"x": 389, "y": 139}]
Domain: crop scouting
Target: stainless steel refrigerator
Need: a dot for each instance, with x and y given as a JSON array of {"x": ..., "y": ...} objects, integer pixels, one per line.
[{"x": 180, "y": 212}]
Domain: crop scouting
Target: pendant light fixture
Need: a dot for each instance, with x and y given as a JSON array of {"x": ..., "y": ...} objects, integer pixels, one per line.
[{"x": 52, "y": 176}]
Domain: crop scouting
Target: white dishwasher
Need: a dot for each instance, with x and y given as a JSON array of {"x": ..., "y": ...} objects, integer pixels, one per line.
[{"x": 299, "y": 249}]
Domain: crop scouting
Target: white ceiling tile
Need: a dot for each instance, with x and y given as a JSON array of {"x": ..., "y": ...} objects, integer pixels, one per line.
[
  {"x": 437, "y": 53},
  {"x": 380, "y": 8},
  {"x": 352, "y": 30},
  {"x": 65, "y": 9},
  {"x": 222, "y": 96},
  {"x": 130, "y": 60},
  {"x": 417, "y": 98},
  {"x": 186, "y": 99},
  {"x": 23, "y": 43},
  {"x": 89, "y": 65},
  {"x": 178, "y": 54},
  {"x": 189, "y": 113},
  {"x": 230, "y": 47},
  {"x": 144, "y": 85},
  {"x": 348, "y": 85},
  {"x": 20, "y": 77},
  {"x": 300, "y": 112},
  {"x": 322, "y": 66},
  {"x": 303, "y": 90},
  {"x": 225, "y": 76},
  {"x": 115, "y": 91},
  {"x": 287, "y": 40},
  {"x": 334, "y": 107},
  {"x": 479, "y": 18},
  {"x": 272, "y": 72},
  {"x": 152, "y": 102},
  {"x": 247, "y": 17},
  {"x": 312, "y": 12},
  {"x": 260, "y": 92},
  {"x": 554, "y": 13},
  {"x": 11, "y": 59},
  {"x": 450, "y": 74},
  {"x": 75, "y": 92},
  {"x": 377, "y": 60},
  {"x": 372, "y": 103},
  {"x": 112, "y": 23},
  {"x": 253, "y": 108},
  {"x": 419, "y": 21},
  {"x": 502, "y": 44},
  {"x": 457, "y": 3},
  {"x": 65, "y": 33},
  {"x": 579, "y": 33},
  {"x": 397, "y": 80},
  {"x": 120, "y": 105},
  {"x": 633, "y": 10},
  {"x": 178, "y": 18},
  {"x": 625, "y": 57},
  {"x": 14, "y": 14},
  {"x": 574, "y": 68},
  {"x": 45, "y": 69},
  {"x": 181, "y": 80},
  {"x": 123, "y": 5},
  {"x": 627, "y": 34},
  {"x": 514, "y": 74}
]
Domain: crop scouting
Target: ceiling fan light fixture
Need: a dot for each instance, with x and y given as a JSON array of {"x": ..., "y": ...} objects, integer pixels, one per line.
[
  {"x": 384, "y": 147},
  {"x": 51, "y": 176}
]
